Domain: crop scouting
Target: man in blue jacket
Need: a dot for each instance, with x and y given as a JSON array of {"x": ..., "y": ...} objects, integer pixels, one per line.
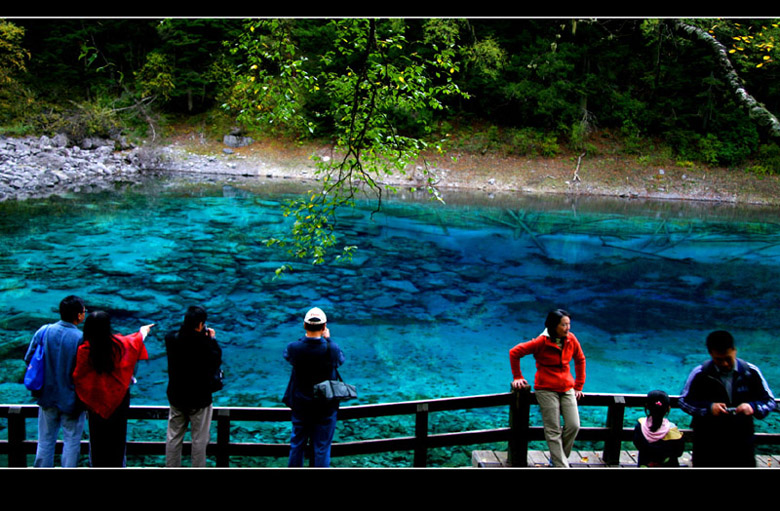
[
  {"x": 59, "y": 407},
  {"x": 723, "y": 395},
  {"x": 314, "y": 359}
]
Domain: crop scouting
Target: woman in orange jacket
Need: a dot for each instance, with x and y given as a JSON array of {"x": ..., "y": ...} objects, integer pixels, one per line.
[{"x": 557, "y": 391}]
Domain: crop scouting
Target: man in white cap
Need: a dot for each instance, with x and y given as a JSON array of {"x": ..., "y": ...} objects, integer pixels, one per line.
[{"x": 314, "y": 358}]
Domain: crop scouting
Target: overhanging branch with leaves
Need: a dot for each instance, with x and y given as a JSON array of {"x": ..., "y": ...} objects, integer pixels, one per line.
[{"x": 369, "y": 77}]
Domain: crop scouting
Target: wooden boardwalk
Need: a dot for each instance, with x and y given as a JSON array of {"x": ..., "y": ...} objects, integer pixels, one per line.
[{"x": 588, "y": 459}]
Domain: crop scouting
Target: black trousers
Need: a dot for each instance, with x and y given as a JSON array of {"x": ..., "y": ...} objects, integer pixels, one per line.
[{"x": 108, "y": 437}]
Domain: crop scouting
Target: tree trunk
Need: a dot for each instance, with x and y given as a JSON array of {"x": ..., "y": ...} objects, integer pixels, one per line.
[{"x": 756, "y": 111}]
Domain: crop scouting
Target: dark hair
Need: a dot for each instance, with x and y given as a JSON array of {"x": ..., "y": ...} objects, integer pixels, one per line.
[
  {"x": 70, "y": 308},
  {"x": 720, "y": 341},
  {"x": 314, "y": 327},
  {"x": 656, "y": 406},
  {"x": 554, "y": 318},
  {"x": 103, "y": 346},
  {"x": 194, "y": 317}
]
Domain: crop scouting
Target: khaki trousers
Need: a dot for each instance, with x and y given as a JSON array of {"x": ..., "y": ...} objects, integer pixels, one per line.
[
  {"x": 200, "y": 421},
  {"x": 553, "y": 406}
]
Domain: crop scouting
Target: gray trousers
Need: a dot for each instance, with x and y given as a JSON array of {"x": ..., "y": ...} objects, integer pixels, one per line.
[
  {"x": 553, "y": 406},
  {"x": 200, "y": 422}
]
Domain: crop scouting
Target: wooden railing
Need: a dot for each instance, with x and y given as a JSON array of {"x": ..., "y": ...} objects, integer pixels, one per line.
[{"x": 517, "y": 433}]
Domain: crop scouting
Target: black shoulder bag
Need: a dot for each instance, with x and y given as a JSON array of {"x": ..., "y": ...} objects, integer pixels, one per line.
[{"x": 334, "y": 390}]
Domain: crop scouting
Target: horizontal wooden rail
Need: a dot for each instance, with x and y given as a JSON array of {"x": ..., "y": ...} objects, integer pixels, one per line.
[{"x": 517, "y": 433}]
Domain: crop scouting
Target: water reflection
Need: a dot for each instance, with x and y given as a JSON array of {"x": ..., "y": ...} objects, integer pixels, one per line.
[{"x": 430, "y": 305}]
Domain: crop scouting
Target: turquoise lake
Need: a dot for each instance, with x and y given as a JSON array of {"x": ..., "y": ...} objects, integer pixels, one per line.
[{"x": 431, "y": 303}]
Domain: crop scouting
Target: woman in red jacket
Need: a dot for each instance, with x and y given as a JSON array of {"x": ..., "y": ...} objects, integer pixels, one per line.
[
  {"x": 104, "y": 370},
  {"x": 557, "y": 391}
]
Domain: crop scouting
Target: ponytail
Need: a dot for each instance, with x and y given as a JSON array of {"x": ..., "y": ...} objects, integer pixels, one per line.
[{"x": 656, "y": 406}]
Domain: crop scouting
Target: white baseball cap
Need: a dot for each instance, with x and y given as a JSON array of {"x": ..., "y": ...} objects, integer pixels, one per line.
[{"x": 315, "y": 316}]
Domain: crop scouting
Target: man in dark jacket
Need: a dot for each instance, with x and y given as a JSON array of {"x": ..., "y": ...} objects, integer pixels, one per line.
[
  {"x": 723, "y": 395},
  {"x": 314, "y": 359},
  {"x": 194, "y": 358}
]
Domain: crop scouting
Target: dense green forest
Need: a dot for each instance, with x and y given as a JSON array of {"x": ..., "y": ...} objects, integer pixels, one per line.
[{"x": 537, "y": 82}]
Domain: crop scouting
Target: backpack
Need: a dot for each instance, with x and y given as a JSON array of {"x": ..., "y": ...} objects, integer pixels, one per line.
[{"x": 33, "y": 378}]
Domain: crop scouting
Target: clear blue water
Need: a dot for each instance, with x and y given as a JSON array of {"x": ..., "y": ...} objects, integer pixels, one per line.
[{"x": 431, "y": 303}]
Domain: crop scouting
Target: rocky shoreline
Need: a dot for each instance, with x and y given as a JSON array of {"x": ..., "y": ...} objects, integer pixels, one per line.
[
  {"x": 37, "y": 167},
  {"x": 34, "y": 167}
]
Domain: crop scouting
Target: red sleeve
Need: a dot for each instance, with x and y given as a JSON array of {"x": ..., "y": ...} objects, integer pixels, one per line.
[
  {"x": 135, "y": 349},
  {"x": 519, "y": 351},
  {"x": 138, "y": 340},
  {"x": 579, "y": 364}
]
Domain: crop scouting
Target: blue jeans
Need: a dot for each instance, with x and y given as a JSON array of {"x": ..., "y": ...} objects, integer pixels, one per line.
[
  {"x": 320, "y": 430},
  {"x": 50, "y": 421}
]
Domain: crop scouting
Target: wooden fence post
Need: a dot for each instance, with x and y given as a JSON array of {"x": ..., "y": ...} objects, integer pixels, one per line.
[
  {"x": 519, "y": 417},
  {"x": 17, "y": 434},
  {"x": 223, "y": 437},
  {"x": 421, "y": 436},
  {"x": 615, "y": 414}
]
